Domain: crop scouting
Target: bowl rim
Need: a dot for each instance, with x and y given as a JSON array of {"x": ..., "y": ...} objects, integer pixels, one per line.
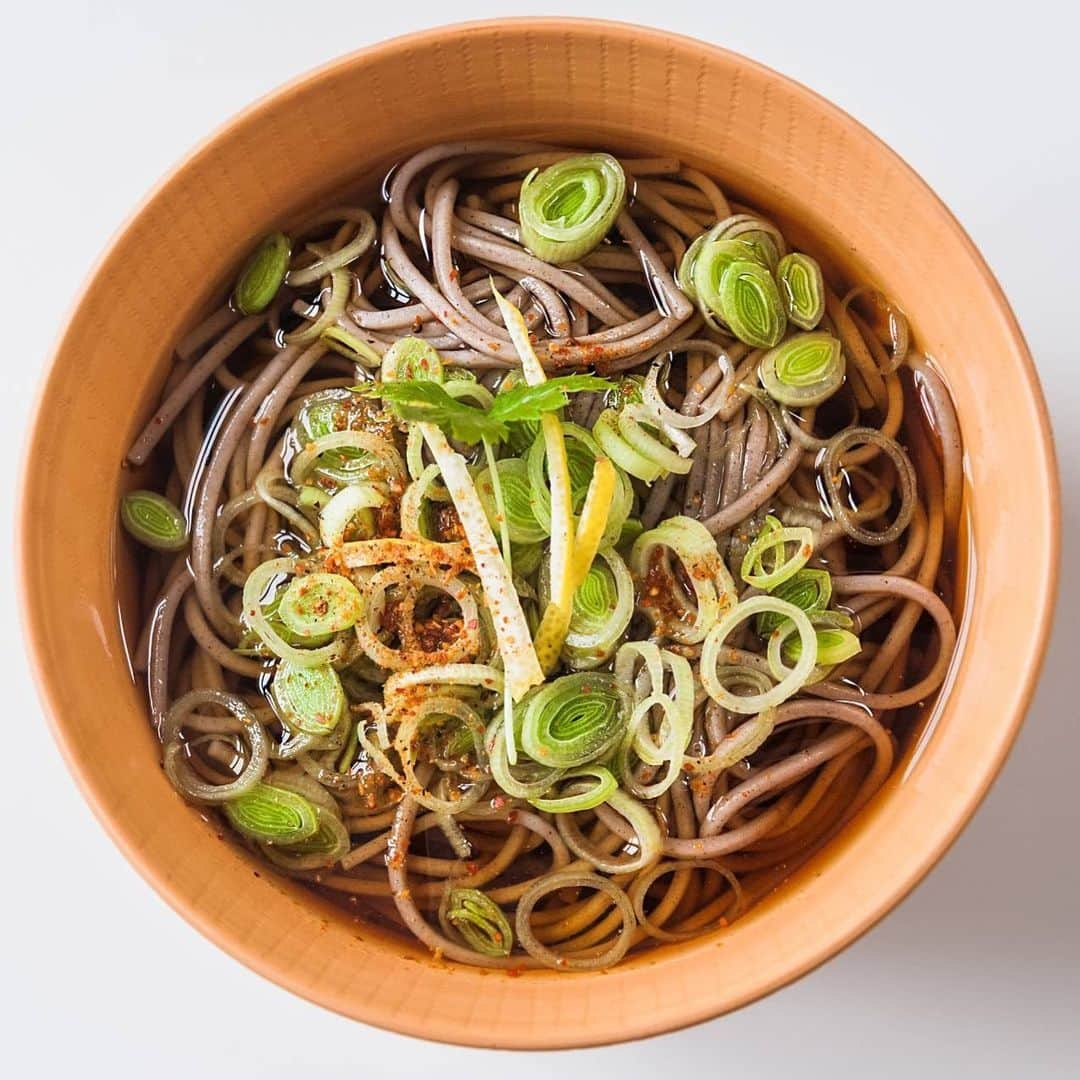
[{"x": 32, "y": 608}]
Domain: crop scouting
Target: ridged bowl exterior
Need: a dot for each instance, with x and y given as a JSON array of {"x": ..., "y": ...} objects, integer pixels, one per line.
[{"x": 600, "y": 84}]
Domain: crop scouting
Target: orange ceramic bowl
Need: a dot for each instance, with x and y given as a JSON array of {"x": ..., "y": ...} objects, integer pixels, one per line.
[{"x": 599, "y": 84}]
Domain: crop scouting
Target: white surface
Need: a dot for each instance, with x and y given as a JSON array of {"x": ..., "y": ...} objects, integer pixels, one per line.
[{"x": 977, "y": 973}]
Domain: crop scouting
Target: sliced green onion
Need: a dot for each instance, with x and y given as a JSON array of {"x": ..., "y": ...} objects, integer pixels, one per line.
[
  {"x": 805, "y": 370},
  {"x": 411, "y": 358},
  {"x": 582, "y": 796},
  {"x": 262, "y": 274},
  {"x": 524, "y": 779},
  {"x": 567, "y": 209},
  {"x": 350, "y": 346},
  {"x": 808, "y": 590},
  {"x": 317, "y": 604},
  {"x": 412, "y": 722},
  {"x": 259, "y": 588},
  {"x": 581, "y": 455},
  {"x": 341, "y": 283},
  {"x": 710, "y": 260},
  {"x": 607, "y": 434},
  {"x": 714, "y": 590},
  {"x": 762, "y": 237},
  {"x": 674, "y": 709},
  {"x": 480, "y": 921},
  {"x": 348, "y": 457},
  {"x": 309, "y": 700},
  {"x": 333, "y": 442},
  {"x": 737, "y": 745},
  {"x": 834, "y": 646},
  {"x": 750, "y": 304},
  {"x": 517, "y": 492},
  {"x": 766, "y": 563},
  {"x": 803, "y": 288},
  {"x": 527, "y": 558},
  {"x": 272, "y": 815},
  {"x": 310, "y": 497},
  {"x": 630, "y": 531},
  {"x": 602, "y": 609},
  {"x": 324, "y": 847},
  {"x": 342, "y": 511},
  {"x": 154, "y": 521},
  {"x": 639, "y": 438},
  {"x": 575, "y": 719},
  {"x": 684, "y": 275},
  {"x": 640, "y": 816},
  {"x": 414, "y": 510},
  {"x": 791, "y": 683},
  {"x": 174, "y": 758}
]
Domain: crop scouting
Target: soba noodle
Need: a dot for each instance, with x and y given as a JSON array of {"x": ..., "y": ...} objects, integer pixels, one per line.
[{"x": 546, "y": 560}]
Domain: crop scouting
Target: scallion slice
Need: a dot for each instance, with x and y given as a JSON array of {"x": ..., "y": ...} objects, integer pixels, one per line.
[
  {"x": 309, "y": 700},
  {"x": 316, "y": 604},
  {"x": 154, "y": 521},
  {"x": 272, "y": 815},
  {"x": 411, "y": 358},
  {"x": 567, "y": 209},
  {"x": 695, "y": 547},
  {"x": 350, "y": 346},
  {"x": 793, "y": 680},
  {"x": 518, "y": 503},
  {"x": 574, "y": 720},
  {"x": 803, "y": 288},
  {"x": 480, "y": 921},
  {"x": 834, "y": 646},
  {"x": 343, "y": 511},
  {"x": 263, "y": 274},
  {"x": 767, "y": 562},
  {"x": 805, "y": 370},
  {"x": 808, "y": 590},
  {"x": 750, "y": 304},
  {"x": 580, "y": 796}
]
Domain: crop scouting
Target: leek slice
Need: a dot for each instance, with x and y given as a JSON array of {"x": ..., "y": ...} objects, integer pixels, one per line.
[
  {"x": 805, "y": 370},
  {"x": 803, "y": 288},
  {"x": 480, "y": 921},
  {"x": 567, "y": 209},
  {"x": 153, "y": 520},
  {"x": 262, "y": 274},
  {"x": 574, "y": 720},
  {"x": 309, "y": 700},
  {"x": 272, "y": 815}
]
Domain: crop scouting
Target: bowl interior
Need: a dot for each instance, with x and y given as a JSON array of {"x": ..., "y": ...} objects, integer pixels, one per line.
[{"x": 773, "y": 143}]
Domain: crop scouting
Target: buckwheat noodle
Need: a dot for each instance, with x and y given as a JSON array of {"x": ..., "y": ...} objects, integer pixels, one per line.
[{"x": 325, "y": 640}]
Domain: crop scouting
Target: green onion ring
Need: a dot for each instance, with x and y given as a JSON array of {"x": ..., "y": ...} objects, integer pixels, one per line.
[
  {"x": 153, "y": 520},
  {"x": 582, "y": 796},
  {"x": 805, "y": 370},
  {"x": 174, "y": 759},
  {"x": 575, "y": 719},
  {"x": 793, "y": 681},
  {"x": 771, "y": 544},
  {"x": 262, "y": 274},
  {"x": 479, "y": 921},
  {"x": 803, "y": 287},
  {"x": 567, "y": 209}
]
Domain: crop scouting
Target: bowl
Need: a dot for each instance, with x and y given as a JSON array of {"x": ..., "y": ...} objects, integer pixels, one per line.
[{"x": 602, "y": 84}]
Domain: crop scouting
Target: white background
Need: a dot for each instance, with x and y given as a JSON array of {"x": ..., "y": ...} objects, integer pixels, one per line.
[{"x": 978, "y": 973}]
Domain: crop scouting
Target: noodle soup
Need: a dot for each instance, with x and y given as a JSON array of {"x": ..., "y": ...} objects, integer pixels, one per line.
[{"x": 546, "y": 557}]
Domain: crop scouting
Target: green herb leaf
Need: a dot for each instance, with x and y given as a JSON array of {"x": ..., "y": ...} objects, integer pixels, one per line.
[
  {"x": 425, "y": 400},
  {"x": 523, "y": 402}
]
